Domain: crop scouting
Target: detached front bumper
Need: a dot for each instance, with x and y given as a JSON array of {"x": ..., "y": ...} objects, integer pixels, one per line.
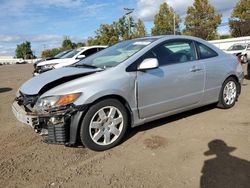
[
  {"x": 54, "y": 127},
  {"x": 23, "y": 117}
]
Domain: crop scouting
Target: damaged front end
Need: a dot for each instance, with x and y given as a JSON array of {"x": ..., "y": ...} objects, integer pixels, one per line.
[{"x": 52, "y": 123}]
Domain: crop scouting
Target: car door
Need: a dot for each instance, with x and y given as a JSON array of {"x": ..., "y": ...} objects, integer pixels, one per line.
[{"x": 177, "y": 83}]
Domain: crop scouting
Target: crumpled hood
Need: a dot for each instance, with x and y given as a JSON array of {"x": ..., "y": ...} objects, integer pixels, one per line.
[
  {"x": 50, "y": 79},
  {"x": 53, "y": 61}
]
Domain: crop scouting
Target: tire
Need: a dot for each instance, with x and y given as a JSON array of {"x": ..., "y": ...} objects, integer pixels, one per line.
[
  {"x": 229, "y": 93},
  {"x": 244, "y": 59},
  {"x": 104, "y": 125}
]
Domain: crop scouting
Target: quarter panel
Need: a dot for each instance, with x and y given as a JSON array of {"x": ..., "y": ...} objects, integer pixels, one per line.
[{"x": 217, "y": 70}]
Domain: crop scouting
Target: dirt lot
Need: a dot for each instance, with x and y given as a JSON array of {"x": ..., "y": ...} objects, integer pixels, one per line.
[{"x": 171, "y": 152}]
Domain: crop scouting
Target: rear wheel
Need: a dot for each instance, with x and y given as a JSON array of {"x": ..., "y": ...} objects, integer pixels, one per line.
[
  {"x": 229, "y": 92},
  {"x": 104, "y": 125},
  {"x": 244, "y": 59}
]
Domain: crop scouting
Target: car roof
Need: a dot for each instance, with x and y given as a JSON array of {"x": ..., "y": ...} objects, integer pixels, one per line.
[
  {"x": 172, "y": 37},
  {"x": 89, "y": 47}
]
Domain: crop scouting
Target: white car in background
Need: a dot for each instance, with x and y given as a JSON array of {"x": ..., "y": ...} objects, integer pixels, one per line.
[
  {"x": 241, "y": 50},
  {"x": 68, "y": 59}
]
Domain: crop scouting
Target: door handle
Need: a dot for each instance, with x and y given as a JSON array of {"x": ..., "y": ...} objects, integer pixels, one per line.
[{"x": 195, "y": 69}]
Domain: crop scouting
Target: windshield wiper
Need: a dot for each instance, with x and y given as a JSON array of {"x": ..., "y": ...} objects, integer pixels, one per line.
[{"x": 86, "y": 65}]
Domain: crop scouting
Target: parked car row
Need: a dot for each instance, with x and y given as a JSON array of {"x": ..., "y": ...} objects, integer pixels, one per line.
[
  {"x": 65, "y": 58},
  {"x": 126, "y": 85},
  {"x": 242, "y": 51}
]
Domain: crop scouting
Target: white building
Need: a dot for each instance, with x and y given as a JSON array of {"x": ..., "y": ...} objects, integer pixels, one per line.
[
  {"x": 226, "y": 43},
  {"x": 5, "y": 60}
]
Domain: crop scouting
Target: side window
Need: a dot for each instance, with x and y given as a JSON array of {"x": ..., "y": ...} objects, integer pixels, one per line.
[
  {"x": 89, "y": 52},
  {"x": 177, "y": 51},
  {"x": 206, "y": 52},
  {"x": 100, "y": 49}
]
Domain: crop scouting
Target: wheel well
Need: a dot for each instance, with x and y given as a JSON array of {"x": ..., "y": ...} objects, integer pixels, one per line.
[
  {"x": 117, "y": 97},
  {"x": 233, "y": 76},
  {"x": 124, "y": 102},
  {"x": 120, "y": 99}
]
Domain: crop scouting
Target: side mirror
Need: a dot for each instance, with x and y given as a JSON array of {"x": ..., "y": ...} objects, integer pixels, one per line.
[
  {"x": 150, "y": 63},
  {"x": 81, "y": 57}
]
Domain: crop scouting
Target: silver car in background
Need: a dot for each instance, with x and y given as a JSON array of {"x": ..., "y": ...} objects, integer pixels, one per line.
[{"x": 126, "y": 85}]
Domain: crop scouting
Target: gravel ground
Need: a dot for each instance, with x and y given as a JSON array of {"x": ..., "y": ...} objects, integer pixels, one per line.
[{"x": 178, "y": 151}]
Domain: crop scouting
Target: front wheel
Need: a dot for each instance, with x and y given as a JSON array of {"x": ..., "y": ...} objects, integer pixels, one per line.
[
  {"x": 104, "y": 125},
  {"x": 229, "y": 93}
]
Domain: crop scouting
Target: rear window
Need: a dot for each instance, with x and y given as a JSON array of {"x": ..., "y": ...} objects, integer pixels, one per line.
[{"x": 205, "y": 52}]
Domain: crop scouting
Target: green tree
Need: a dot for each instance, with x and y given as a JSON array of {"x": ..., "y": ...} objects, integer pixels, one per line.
[
  {"x": 80, "y": 44},
  {"x": 126, "y": 28},
  {"x": 67, "y": 44},
  {"x": 164, "y": 21},
  {"x": 51, "y": 52},
  {"x": 105, "y": 33},
  {"x": 121, "y": 27},
  {"x": 109, "y": 34},
  {"x": 239, "y": 21},
  {"x": 139, "y": 29},
  {"x": 24, "y": 51},
  {"x": 226, "y": 36},
  {"x": 202, "y": 21},
  {"x": 92, "y": 41}
]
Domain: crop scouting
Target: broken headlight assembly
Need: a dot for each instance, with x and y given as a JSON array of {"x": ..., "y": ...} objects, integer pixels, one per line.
[
  {"x": 46, "y": 103},
  {"x": 49, "y": 66}
]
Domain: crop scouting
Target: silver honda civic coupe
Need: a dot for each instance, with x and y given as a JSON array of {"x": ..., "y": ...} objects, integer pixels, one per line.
[{"x": 126, "y": 85}]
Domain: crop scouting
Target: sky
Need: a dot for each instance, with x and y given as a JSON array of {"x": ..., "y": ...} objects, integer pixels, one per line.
[{"x": 45, "y": 23}]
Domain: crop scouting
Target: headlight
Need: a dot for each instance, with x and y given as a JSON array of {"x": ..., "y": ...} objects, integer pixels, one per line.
[
  {"x": 46, "y": 103},
  {"x": 49, "y": 66}
]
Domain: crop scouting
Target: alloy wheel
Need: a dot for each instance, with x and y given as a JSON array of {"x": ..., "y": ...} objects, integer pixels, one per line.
[
  {"x": 106, "y": 125},
  {"x": 230, "y": 93}
]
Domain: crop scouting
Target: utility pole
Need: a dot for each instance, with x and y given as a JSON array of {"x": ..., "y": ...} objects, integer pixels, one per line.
[
  {"x": 128, "y": 12},
  {"x": 174, "y": 24}
]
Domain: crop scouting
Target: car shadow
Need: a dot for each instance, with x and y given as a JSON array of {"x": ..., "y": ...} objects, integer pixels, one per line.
[
  {"x": 224, "y": 170},
  {"x": 154, "y": 124},
  {"x": 5, "y": 89},
  {"x": 247, "y": 77}
]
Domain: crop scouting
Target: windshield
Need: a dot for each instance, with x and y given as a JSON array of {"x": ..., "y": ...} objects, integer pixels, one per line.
[
  {"x": 237, "y": 47},
  {"x": 116, "y": 54},
  {"x": 61, "y": 54},
  {"x": 71, "y": 54}
]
